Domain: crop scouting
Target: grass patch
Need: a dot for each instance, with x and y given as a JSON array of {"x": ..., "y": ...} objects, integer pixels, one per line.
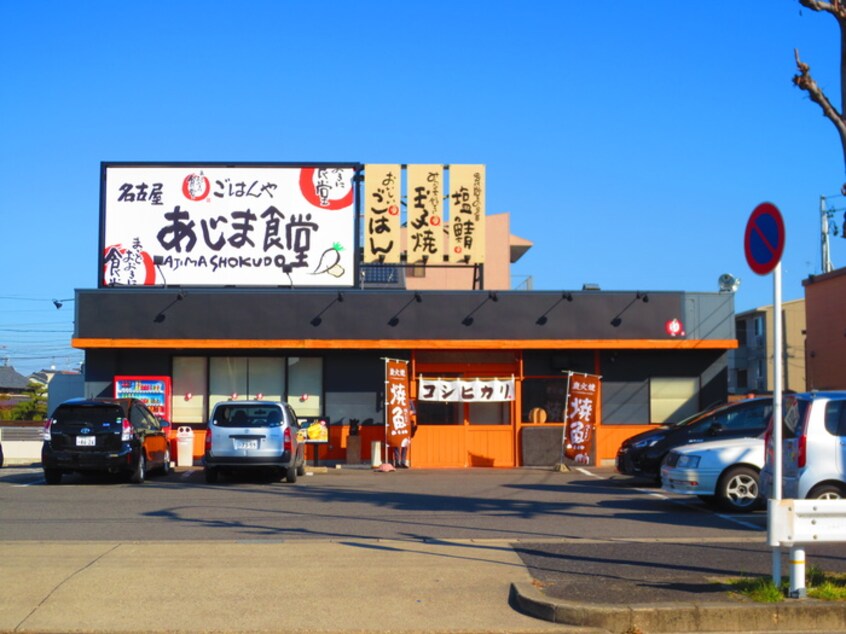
[{"x": 819, "y": 585}]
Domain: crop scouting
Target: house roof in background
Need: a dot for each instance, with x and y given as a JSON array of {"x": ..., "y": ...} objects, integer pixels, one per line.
[{"x": 10, "y": 379}]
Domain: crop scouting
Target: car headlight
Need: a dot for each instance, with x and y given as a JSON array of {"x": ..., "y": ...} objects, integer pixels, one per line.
[
  {"x": 687, "y": 461},
  {"x": 647, "y": 442}
]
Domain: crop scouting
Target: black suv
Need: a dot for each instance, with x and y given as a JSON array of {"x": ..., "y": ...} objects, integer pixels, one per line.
[
  {"x": 115, "y": 435},
  {"x": 642, "y": 454}
]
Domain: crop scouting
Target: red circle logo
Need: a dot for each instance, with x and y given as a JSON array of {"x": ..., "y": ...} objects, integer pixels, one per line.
[
  {"x": 331, "y": 189},
  {"x": 140, "y": 270},
  {"x": 196, "y": 186},
  {"x": 674, "y": 328}
]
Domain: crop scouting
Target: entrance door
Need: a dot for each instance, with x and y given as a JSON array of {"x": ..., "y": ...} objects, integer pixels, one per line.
[{"x": 451, "y": 435}]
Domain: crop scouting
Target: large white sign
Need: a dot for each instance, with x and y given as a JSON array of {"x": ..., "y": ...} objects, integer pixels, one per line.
[{"x": 217, "y": 225}]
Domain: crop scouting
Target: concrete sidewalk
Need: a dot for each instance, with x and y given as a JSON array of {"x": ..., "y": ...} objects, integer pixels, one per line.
[{"x": 302, "y": 586}]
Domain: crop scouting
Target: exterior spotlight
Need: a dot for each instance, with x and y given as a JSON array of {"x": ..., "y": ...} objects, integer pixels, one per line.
[
  {"x": 340, "y": 296},
  {"x": 642, "y": 297},
  {"x": 418, "y": 297},
  {"x": 567, "y": 296},
  {"x": 493, "y": 296}
]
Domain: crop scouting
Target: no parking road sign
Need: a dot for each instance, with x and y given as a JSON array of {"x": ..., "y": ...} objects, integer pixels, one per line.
[{"x": 764, "y": 240}]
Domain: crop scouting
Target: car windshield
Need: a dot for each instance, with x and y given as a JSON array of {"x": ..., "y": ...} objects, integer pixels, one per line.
[{"x": 248, "y": 416}]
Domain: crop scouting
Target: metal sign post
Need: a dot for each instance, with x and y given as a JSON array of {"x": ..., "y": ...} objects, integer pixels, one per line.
[{"x": 764, "y": 245}]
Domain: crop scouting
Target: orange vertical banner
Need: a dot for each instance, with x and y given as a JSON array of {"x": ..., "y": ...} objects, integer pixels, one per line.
[
  {"x": 580, "y": 420},
  {"x": 397, "y": 420}
]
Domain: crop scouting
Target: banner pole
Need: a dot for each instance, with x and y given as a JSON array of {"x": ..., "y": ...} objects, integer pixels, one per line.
[{"x": 564, "y": 427}]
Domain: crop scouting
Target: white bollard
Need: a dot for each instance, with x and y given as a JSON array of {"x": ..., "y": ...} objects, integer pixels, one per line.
[
  {"x": 797, "y": 573},
  {"x": 376, "y": 454}
]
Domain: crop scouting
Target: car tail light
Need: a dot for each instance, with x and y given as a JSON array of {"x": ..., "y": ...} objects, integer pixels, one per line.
[
  {"x": 125, "y": 430},
  {"x": 46, "y": 433},
  {"x": 287, "y": 439},
  {"x": 208, "y": 442},
  {"x": 802, "y": 450}
]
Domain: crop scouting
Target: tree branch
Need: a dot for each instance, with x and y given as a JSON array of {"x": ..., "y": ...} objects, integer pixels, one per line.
[{"x": 835, "y": 7}]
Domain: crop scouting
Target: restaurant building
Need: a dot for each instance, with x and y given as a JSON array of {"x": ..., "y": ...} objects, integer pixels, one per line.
[{"x": 305, "y": 304}]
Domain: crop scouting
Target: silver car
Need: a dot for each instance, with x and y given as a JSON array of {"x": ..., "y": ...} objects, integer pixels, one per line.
[{"x": 253, "y": 435}]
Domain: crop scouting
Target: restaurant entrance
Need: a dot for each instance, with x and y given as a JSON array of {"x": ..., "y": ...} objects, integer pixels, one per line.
[{"x": 465, "y": 434}]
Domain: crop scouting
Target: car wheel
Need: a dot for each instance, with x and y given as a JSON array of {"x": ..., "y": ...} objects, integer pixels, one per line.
[
  {"x": 166, "y": 465},
  {"x": 826, "y": 492},
  {"x": 301, "y": 469},
  {"x": 53, "y": 476},
  {"x": 138, "y": 473},
  {"x": 738, "y": 490},
  {"x": 291, "y": 475},
  {"x": 211, "y": 475}
]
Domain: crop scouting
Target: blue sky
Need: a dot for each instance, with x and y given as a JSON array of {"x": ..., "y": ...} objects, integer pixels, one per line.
[{"x": 630, "y": 141}]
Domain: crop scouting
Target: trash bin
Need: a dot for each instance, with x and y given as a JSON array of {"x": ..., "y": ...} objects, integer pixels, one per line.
[
  {"x": 184, "y": 447},
  {"x": 376, "y": 454}
]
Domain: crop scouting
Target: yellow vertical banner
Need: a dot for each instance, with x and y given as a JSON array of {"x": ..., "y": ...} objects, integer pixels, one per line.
[
  {"x": 424, "y": 208},
  {"x": 467, "y": 213},
  {"x": 382, "y": 213}
]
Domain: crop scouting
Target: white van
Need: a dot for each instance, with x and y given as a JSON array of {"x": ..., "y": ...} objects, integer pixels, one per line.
[{"x": 813, "y": 446}]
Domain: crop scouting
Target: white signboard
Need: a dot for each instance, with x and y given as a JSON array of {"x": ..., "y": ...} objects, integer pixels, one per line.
[
  {"x": 466, "y": 390},
  {"x": 218, "y": 225}
]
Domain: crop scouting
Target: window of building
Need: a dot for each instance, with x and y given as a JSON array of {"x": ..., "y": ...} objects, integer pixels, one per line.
[
  {"x": 758, "y": 325},
  {"x": 189, "y": 389},
  {"x": 489, "y": 413},
  {"x": 672, "y": 399},
  {"x": 305, "y": 385},
  {"x": 543, "y": 399},
  {"x": 742, "y": 379},
  {"x": 741, "y": 327},
  {"x": 243, "y": 378},
  {"x": 439, "y": 413}
]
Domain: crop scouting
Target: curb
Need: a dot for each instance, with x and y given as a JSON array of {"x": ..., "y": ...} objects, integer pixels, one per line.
[{"x": 803, "y": 615}]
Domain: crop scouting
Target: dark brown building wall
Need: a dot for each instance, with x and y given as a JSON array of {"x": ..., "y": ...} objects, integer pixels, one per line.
[{"x": 825, "y": 343}]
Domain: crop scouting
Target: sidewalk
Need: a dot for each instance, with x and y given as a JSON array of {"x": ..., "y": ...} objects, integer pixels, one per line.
[
  {"x": 321, "y": 586},
  {"x": 358, "y": 586}
]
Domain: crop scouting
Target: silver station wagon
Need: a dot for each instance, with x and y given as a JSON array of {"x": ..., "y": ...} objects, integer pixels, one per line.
[{"x": 257, "y": 435}]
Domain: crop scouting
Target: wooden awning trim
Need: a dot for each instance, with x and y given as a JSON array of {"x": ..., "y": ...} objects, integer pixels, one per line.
[{"x": 410, "y": 344}]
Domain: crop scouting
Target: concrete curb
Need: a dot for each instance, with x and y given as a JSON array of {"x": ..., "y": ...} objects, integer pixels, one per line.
[{"x": 709, "y": 616}]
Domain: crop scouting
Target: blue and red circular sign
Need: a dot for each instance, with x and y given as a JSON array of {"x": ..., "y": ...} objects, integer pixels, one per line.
[{"x": 764, "y": 240}]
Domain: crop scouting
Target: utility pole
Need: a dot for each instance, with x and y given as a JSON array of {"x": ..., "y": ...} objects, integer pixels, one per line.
[{"x": 825, "y": 214}]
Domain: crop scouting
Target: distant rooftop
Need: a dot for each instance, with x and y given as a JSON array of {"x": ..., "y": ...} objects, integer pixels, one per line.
[{"x": 10, "y": 379}]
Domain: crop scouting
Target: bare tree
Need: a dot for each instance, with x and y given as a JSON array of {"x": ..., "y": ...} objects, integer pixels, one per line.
[{"x": 805, "y": 82}]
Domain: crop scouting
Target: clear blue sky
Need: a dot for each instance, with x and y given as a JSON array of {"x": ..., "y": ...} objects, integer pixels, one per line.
[{"x": 630, "y": 141}]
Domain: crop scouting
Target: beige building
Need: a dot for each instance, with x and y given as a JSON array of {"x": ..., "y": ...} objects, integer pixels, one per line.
[
  {"x": 502, "y": 249},
  {"x": 751, "y": 365}
]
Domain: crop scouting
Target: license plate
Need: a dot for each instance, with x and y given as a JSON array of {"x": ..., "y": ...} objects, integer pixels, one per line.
[
  {"x": 86, "y": 441},
  {"x": 246, "y": 444}
]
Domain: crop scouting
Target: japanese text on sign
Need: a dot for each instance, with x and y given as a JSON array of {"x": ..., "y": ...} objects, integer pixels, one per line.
[
  {"x": 217, "y": 225},
  {"x": 580, "y": 422},
  {"x": 382, "y": 213},
  {"x": 397, "y": 419},
  {"x": 425, "y": 212},
  {"x": 466, "y": 390}
]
